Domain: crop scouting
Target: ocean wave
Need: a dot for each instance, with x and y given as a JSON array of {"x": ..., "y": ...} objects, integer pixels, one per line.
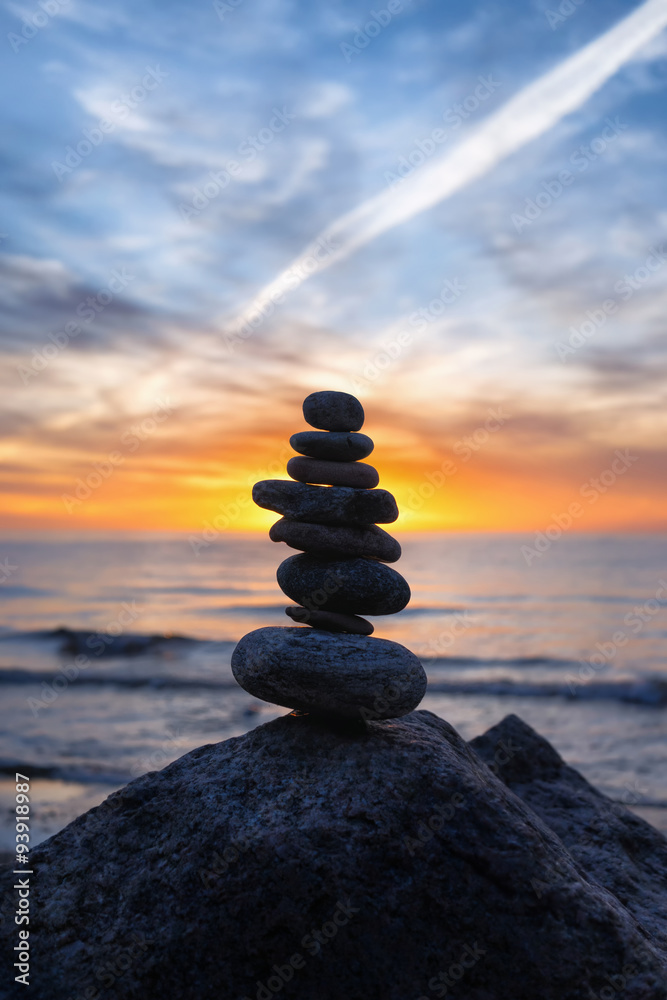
[
  {"x": 497, "y": 661},
  {"x": 649, "y": 691},
  {"x": 16, "y": 675},
  {"x": 100, "y": 644},
  {"x": 70, "y": 773}
]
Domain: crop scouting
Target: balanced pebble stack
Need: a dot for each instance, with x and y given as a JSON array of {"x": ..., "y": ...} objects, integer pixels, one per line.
[{"x": 331, "y": 664}]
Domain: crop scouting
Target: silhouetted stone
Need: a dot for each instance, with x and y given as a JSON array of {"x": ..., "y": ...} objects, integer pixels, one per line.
[
  {"x": 326, "y": 504},
  {"x": 331, "y": 621},
  {"x": 353, "y": 586},
  {"x": 350, "y": 676},
  {"x": 314, "y": 470},
  {"x": 342, "y": 540},
  {"x": 333, "y": 411},
  {"x": 333, "y": 446}
]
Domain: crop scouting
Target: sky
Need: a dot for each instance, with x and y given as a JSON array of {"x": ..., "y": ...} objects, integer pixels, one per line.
[{"x": 460, "y": 210}]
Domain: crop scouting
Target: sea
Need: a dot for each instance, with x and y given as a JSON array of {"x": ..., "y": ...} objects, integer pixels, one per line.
[{"x": 115, "y": 653}]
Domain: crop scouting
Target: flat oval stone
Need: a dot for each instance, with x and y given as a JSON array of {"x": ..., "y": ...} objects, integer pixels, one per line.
[
  {"x": 325, "y": 504},
  {"x": 333, "y": 446},
  {"x": 353, "y": 586},
  {"x": 330, "y": 621},
  {"x": 315, "y": 470},
  {"x": 340, "y": 539},
  {"x": 333, "y": 411},
  {"x": 352, "y": 676}
]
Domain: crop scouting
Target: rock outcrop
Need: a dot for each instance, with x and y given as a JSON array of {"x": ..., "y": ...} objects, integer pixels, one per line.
[{"x": 343, "y": 861}]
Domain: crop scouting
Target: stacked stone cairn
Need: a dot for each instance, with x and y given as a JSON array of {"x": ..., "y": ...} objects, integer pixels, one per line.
[{"x": 330, "y": 664}]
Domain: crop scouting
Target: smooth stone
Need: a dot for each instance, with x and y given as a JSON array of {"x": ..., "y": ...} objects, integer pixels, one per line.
[
  {"x": 314, "y": 470},
  {"x": 325, "y": 504},
  {"x": 333, "y": 446},
  {"x": 353, "y": 586},
  {"x": 317, "y": 671},
  {"x": 330, "y": 621},
  {"x": 333, "y": 411},
  {"x": 344, "y": 540}
]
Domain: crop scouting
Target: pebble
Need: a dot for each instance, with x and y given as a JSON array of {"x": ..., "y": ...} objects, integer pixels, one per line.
[
  {"x": 353, "y": 586},
  {"x": 325, "y": 504},
  {"x": 314, "y": 470},
  {"x": 330, "y": 621},
  {"x": 333, "y": 446},
  {"x": 351, "y": 676},
  {"x": 344, "y": 540},
  {"x": 333, "y": 411}
]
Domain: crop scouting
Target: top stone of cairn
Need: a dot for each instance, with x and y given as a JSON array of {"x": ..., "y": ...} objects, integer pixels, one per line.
[{"x": 333, "y": 411}]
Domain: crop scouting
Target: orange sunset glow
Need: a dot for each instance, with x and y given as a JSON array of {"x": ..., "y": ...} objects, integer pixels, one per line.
[{"x": 188, "y": 473}]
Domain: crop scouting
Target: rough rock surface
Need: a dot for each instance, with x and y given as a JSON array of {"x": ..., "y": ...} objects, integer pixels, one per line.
[
  {"x": 328, "y": 504},
  {"x": 347, "y": 540},
  {"x": 315, "y": 470},
  {"x": 620, "y": 850},
  {"x": 353, "y": 586},
  {"x": 313, "y": 670},
  {"x": 330, "y": 620},
  {"x": 333, "y": 411},
  {"x": 395, "y": 846},
  {"x": 334, "y": 446}
]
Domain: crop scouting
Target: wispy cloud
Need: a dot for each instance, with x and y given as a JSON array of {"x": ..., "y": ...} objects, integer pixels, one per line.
[{"x": 530, "y": 113}]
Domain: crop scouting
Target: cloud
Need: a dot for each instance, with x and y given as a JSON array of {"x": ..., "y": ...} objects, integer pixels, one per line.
[{"x": 531, "y": 112}]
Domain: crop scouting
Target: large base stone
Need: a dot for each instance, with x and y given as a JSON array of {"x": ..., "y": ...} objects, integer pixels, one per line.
[
  {"x": 309, "y": 863},
  {"x": 351, "y": 676}
]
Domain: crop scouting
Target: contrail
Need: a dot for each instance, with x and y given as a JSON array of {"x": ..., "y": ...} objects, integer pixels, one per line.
[{"x": 528, "y": 114}]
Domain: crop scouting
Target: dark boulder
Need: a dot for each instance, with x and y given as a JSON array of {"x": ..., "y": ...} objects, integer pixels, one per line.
[
  {"x": 618, "y": 849},
  {"x": 377, "y": 863}
]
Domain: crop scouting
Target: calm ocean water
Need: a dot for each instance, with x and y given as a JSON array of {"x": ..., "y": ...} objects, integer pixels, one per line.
[{"x": 574, "y": 643}]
